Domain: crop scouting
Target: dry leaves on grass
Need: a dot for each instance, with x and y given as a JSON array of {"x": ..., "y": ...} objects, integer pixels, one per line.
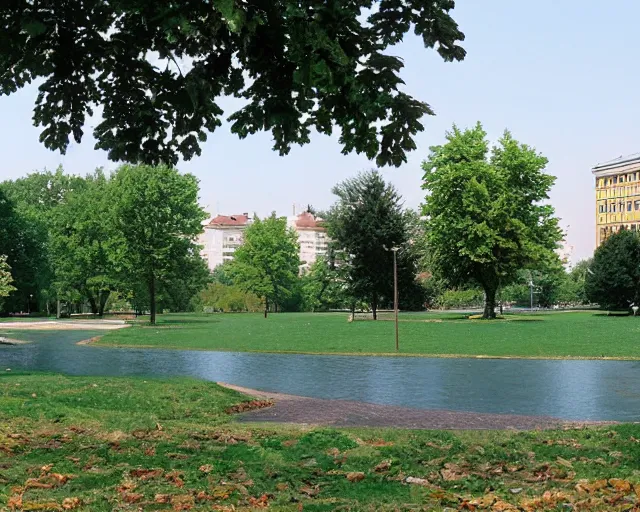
[
  {"x": 355, "y": 476},
  {"x": 175, "y": 477},
  {"x": 248, "y": 406},
  {"x": 146, "y": 474},
  {"x": 261, "y": 502}
]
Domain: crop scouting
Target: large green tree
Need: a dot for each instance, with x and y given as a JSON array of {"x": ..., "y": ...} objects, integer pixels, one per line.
[
  {"x": 156, "y": 212},
  {"x": 23, "y": 242},
  {"x": 613, "y": 279},
  {"x": 365, "y": 223},
  {"x": 82, "y": 242},
  {"x": 486, "y": 210},
  {"x": 34, "y": 199},
  {"x": 267, "y": 263},
  {"x": 156, "y": 70}
]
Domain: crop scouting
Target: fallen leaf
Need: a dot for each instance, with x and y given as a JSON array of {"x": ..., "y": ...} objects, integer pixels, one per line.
[
  {"x": 355, "y": 476},
  {"x": 418, "y": 481},
  {"x": 282, "y": 486},
  {"x": 34, "y": 483},
  {"x": 310, "y": 491},
  {"x": 385, "y": 465},
  {"x": 248, "y": 406},
  {"x": 261, "y": 502},
  {"x": 175, "y": 478},
  {"x": 620, "y": 485},
  {"x": 71, "y": 503},
  {"x": 47, "y": 468},
  {"x": 132, "y": 497},
  {"x": 503, "y": 506},
  {"x": 162, "y": 498},
  {"x": 146, "y": 474},
  {"x": 182, "y": 502},
  {"x": 15, "y": 502},
  {"x": 584, "y": 486}
]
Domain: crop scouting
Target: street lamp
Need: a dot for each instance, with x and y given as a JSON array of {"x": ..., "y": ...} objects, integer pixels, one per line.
[
  {"x": 395, "y": 288},
  {"x": 29, "y": 303}
]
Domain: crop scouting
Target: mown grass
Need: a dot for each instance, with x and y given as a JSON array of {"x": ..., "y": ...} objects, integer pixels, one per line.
[
  {"x": 561, "y": 335},
  {"x": 102, "y": 444}
]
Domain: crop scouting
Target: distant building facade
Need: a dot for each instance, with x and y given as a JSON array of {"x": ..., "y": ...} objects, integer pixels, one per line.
[
  {"x": 617, "y": 196},
  {"x": 565, "y": 253},
  {"x": 221, "y": 236},
  {"x": 312, "y": 237}
]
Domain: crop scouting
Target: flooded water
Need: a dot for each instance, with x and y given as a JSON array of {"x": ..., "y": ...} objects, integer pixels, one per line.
[{"x": 575, "y": 390}]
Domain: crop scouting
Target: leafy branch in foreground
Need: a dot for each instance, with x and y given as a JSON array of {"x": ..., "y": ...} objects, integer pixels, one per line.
[{"x": 157, "y": 68}]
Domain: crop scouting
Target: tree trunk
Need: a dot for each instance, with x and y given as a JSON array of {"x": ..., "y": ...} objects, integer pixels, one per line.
[
  {"x": 266, "y": 308},
  {"x": 489, "y": 304},
  {"x": 152, "y": 298},
  {"x": 374, "y": 306},
  {"x": 93, "y": 304},
  {"x": 104, "y": 297}
]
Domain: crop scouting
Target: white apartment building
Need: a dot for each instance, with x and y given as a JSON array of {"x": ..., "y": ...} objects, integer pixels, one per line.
[
  {"x": 312, "y": 237},
  {"x": 221, "y": 236}
]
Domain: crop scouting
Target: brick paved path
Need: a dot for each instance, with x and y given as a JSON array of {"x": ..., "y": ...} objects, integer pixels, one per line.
[{"x": 343, "y": 413}]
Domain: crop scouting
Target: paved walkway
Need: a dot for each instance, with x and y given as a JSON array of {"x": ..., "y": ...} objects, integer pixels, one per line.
[
  {"x": 64, "y": 325},
  {"x": 343, "y": 413}
]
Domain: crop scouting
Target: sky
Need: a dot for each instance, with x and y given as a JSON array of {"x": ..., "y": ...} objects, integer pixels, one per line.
[{"x": 562, "y": 76}]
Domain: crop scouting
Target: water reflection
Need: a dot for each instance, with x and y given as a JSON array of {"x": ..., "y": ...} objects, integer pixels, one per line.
[{"x": 581, "y": 390}]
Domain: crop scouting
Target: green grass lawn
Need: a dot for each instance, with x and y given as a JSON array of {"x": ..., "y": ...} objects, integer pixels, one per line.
[
  {"x": 102, "y": 444},
  {"x": 543, "y": 335}
]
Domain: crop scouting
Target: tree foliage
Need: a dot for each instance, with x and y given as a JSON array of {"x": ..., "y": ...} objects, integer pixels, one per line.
[
  {"x": 157, "y": 69},
  {"x": 267, "y": 263},
  {"x": 365, "y": 223},
  {"x": 6, "y": 279},
  {"x": 23, "y": 242},
  {"x": 486, "y": 213},
  {"x": 82, "y": 240},
  {"x": 613, "y": 279},
  {"x": 156, "y": 212},
  {"x": 323, "y": 286}
]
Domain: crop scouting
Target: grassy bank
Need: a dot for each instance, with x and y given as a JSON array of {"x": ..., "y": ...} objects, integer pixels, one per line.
[
  {"x": 583, "y": 334},
  {"x": 98, "y": 444}
]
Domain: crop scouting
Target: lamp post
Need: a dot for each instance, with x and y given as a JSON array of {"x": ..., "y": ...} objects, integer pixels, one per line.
[
  {"x": 395, "y": 250},
  {"x": 395, "y": 291},
  {"x": 29, "y": 303}
]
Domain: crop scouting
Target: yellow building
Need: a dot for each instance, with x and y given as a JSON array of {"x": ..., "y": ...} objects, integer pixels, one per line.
[{"x": 617, "y": 196}]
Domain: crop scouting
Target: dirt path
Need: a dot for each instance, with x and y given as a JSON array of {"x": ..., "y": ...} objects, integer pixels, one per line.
[
  {"x": 56, "y": 325},
  {"x": 343, "y": 413}
]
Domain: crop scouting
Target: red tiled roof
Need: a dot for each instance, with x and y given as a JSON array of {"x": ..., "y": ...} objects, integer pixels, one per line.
[
  {"x": 307, "y": 220},
  {"x": 229, "y": 220}
]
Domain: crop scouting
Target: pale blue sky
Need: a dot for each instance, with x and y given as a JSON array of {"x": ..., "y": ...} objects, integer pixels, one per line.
[{"x": 562, "y": 75}]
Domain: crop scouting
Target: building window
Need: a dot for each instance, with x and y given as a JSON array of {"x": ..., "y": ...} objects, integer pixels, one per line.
[
  {"x": 628, "y": 206},
  {"x": 621, "y": 179},
  {"x": 636, "y": 205},
  {"x": 613, "y": 208},
  {"x": 615, "y": 179}
]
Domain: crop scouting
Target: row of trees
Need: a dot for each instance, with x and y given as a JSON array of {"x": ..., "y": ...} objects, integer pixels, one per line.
[
  {"x": 71, "y": 238},
  {"x": 485, "y": 224}
]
